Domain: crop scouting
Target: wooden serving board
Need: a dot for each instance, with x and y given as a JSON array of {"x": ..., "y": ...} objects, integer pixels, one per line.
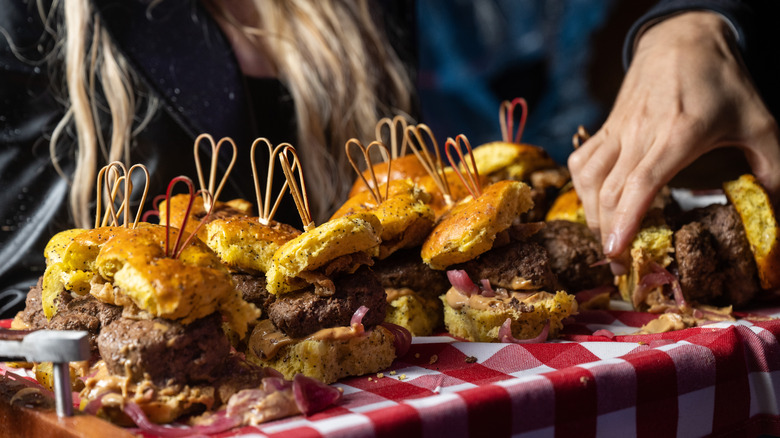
[{"x": 26, "y": 421}]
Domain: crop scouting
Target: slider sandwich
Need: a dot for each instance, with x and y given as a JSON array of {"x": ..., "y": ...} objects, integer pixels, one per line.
[
  {"x": 694, "y": 266},
  {"x": 406, "y": 219},
  {"x": 502, "y": 286},
  {"x": 325, "y": 307}
]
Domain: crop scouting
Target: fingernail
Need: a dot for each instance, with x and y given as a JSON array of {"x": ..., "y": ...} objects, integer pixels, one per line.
[
  {"x": 617, "y": 268},
  {"x": 610, "y": 245}
]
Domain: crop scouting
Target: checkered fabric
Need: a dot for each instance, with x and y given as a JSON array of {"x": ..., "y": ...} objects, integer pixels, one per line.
[{"x": 721, "y": 379}]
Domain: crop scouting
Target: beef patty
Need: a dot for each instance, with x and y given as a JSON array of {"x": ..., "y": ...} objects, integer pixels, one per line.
[
  {"x": 73, "y": 313},
  {"x": 302, "y": 313},
  {"x": 166, "y": 351},
  {"x": 573, "y": 249},
  {"x": 511, "y": 265},
  {"x": 405, "y": 269},
  {"x": 714, "y": 261}
]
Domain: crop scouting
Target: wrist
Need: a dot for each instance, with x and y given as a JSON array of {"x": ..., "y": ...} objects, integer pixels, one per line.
[{"x": 688, "y": 28}]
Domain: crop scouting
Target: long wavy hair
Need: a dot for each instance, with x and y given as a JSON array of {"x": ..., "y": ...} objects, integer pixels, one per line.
[{"x": 337, "y": 63}]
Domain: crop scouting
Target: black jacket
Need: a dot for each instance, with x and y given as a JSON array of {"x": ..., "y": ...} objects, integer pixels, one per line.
[{"x": 180, "y": 55}]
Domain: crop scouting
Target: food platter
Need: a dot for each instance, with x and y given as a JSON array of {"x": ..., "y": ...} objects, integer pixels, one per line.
[{"x": 713, "y": 379}]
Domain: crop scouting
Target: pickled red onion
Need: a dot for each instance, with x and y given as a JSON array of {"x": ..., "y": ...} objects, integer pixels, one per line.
[
  {"x": 505, "y": 334},
  {"x": 461, "y": 282},
  {"x": 487, "y": 290},
  {"x": 402, "y": 338},
  {"x": 357, "y": 317},
  {"x": 221, "y": 424},
  {"x": 312, "y": 396}
]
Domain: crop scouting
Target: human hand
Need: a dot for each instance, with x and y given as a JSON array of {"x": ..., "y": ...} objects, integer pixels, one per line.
[{"x": 684, "y": 94}]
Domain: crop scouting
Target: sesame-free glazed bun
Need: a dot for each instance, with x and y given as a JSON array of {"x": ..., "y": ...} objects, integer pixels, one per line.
[
  {"x": 407, "y": 166},
  {"x": 405, "y": 217},
  {"x": 758, "y": 217},
  {"x": 470, "y": 228},
  {"x": 192, "y": 286},
  {"x": 243, "y": 243},
  {"x": 314, "y": 248},
  {"x": 500, "y": 160}
]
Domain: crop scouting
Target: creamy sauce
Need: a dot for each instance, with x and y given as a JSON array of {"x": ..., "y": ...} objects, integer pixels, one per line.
[
  {"x": 457, "y": 300},
  {"x": 520, "y": 283},
  {"x": 393, "y": 293},
  {"x": 266, "y": 339}
]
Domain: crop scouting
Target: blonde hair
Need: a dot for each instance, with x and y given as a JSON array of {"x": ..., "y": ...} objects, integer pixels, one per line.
[{"x": 339, "y": 68}]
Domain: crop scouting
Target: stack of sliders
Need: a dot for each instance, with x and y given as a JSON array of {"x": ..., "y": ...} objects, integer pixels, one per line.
[
  {"x": 693, "y": 266},
  {"x": 156, "y": 301},
  {"x": 324, "y": 306},
  {"x": 503, "y": 287},
  {"x": 509, "y": 159},
  {"x": 402, "y": 208}
]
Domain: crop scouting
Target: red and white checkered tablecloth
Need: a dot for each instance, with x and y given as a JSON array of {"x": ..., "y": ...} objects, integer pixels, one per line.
[{"x": 721, "y": 379}]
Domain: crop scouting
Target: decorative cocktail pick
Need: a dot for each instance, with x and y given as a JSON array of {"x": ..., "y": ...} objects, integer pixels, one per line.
[
  {"x": 397, "y": 125},
  {"x": 374, "y": 189},
  {"x": 110, "y": 178},
  {"x": 178, "y": 247},
  {"x": 580, "y": 137},
  {"x": 266, "y": 212},
  {"x": 298, "y": 191},
  {"x": 434, "y": 166},
  {"x": 471, "y": 180},
  {"x": 215, "y": 148},
  {"x": 506, "y": 118}
]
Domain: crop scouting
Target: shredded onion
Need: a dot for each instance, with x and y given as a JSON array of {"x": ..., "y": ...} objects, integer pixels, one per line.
[
  {"x": 357, "y": 317},
  {"x": 460, "y": 280},
  {"x": 272, "y": 384},
  {"x": 656, "y": 278},
  {"x": 312, "y": 396},
  {"x": 402, "y": 338},
  {"x": 505, "y": 334},
  {"x": 601, "y": 262},
  {"x": 487, "y": 290},
  {"x": 221, "y": 424}
]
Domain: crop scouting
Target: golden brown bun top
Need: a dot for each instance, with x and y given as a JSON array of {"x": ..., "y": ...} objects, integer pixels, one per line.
[
  {"x": 190, "y": 287},
  {"x": 244, "y": 243},
  {"x": 405, "y": 217},
  {"x": 568, "y": 207},
  {"x": 457, "y": 191},
  {"x": 501, "y": 160},
  {"x": 758, "y": 216},
  {"x": 404, "y": 167},
  {"x": 235, "y": 207},
  {"x": 70, "y": 262},
  {"x": 315, "y": 248},
  {"x": 470, "y": 228}
]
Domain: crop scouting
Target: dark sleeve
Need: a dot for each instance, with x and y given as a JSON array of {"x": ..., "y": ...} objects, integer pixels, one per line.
[
  {"x": 755, "y": 24},
  {"x": 33, "y": 195}
]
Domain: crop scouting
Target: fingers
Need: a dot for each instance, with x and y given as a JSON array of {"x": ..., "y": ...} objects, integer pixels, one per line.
[
  {"x": 763, "y": 155},
  {"x": 590, "y": 165}
]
